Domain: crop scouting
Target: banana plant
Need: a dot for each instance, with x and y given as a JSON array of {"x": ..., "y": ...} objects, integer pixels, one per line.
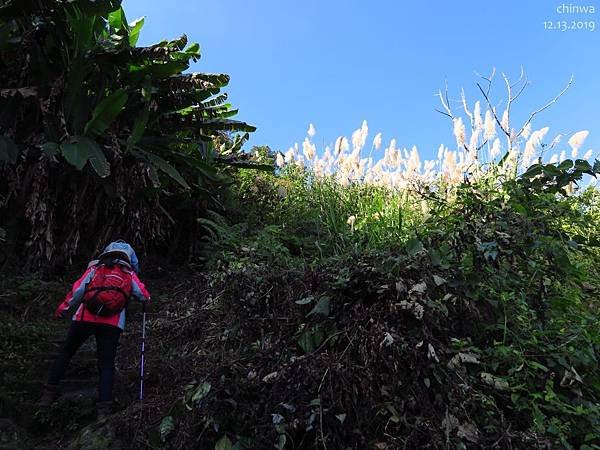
[
  {"x": 78, "y": 95},
  {"x": 107, "y": 81}
]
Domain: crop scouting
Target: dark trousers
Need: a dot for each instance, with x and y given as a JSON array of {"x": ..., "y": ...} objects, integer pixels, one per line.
[{"x": 107, "y": 339}]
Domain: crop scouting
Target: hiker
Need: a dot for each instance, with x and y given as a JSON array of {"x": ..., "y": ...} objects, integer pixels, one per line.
[{"x": 98, "y": 300}]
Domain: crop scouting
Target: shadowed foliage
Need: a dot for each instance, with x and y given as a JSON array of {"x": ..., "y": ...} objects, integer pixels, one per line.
[{"x": 100, "y": 138}]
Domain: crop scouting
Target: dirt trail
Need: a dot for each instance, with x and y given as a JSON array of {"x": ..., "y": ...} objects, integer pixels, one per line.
[{"x": 33, "y": 341}]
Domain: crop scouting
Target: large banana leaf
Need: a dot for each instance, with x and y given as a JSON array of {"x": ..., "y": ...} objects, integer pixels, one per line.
[
  {"x": 134, "y": 31},
  {"x": 96, "y": 157},
  {"x": 229, "y": 125},
  {"x": 82, "y": 150},
  {"x": 138, "y": 128},
  {"x": 82, "y": 29},
  {"x": 106, "y": 112},
  {"x": 165, "y": 166},
  {"x": 216, "y": 101},
  {"x": 117, "y": 20}
]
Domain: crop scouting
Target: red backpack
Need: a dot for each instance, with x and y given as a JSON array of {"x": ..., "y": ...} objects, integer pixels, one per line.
[{"x": 108, "y": 291}]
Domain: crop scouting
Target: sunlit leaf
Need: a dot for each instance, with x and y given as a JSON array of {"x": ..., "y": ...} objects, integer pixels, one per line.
[{"x": 134, "y": 30}]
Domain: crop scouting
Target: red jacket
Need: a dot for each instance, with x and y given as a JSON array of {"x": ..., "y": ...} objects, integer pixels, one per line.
[{"x": 75, "y": 297}]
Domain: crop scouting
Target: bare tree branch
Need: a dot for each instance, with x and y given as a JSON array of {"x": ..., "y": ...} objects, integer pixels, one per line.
[
  {"x": 444, "y": 113},
  {"x": 547, "y": 105},
  {"x": 487, "y": 99},
  {"x": 445, "y": 102},
  {"x": 489, "y": 80}
]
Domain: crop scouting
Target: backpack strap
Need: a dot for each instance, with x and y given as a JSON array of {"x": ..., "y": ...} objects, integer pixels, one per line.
[{"x": 97, "y": 291}]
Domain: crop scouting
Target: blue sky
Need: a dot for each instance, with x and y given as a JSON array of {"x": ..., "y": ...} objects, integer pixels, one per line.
[{"x": 335, "y": 63}]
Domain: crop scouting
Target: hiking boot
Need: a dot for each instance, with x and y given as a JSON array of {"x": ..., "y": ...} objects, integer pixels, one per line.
[
  {"x": 49, "y": 394},
  {"x": 104, "y": 409}
]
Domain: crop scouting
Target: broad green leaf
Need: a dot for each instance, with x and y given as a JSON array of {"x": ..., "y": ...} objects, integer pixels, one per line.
[
  {"x": 281, "y": 441},
  {"x": 96, "y": 156},
  {"x": 193, "y": 50},
  {"x": 532, "y": 171},
  {"x": 566, "y": 164},
  {"x": 583, "y": 165},
  {"x": 167, "y": 425},
  {"x": 134, "y": 30},
  {"x": 106, "y": 112},
  {"x": 204, "y": 169},
  {"x": 201, "y": 392},
  {"x": 224, "y": 444},
  {"x": 75, "y": 154},
  {"x": 167, "y": 168},
  {"x": 139, "y": 126},
  {"x": 310, "y": 340},
  {"x": 519, "y": 208},
  {"x": 322, "y": 307},
  {"x": 414, "y": 246},
  {"x": 83, "y": 149},
  {"x": 306, "y": 342},
  {"x": 167, "y": 69},
  {"x": 117, "y": 21},
  {"x": 76, "y": 101},
  {"x": 550, "y": 170},
  {"x": 229, "y": 125},
  {"x": 82, "y": 30},
  {"x": 8, "y": 150},
  {"x": 179, "y": 43}
]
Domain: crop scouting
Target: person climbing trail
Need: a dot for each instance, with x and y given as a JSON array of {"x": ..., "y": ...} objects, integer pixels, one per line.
[{"x": 99, "y": 299}]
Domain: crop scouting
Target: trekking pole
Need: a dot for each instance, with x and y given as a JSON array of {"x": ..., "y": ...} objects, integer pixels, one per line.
[{"x": 143, "y": 348}]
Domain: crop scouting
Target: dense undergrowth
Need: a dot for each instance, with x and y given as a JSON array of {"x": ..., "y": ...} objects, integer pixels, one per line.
[
  {"x": 361, "y": 318},
  {"x": 358, "y": 317}
]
